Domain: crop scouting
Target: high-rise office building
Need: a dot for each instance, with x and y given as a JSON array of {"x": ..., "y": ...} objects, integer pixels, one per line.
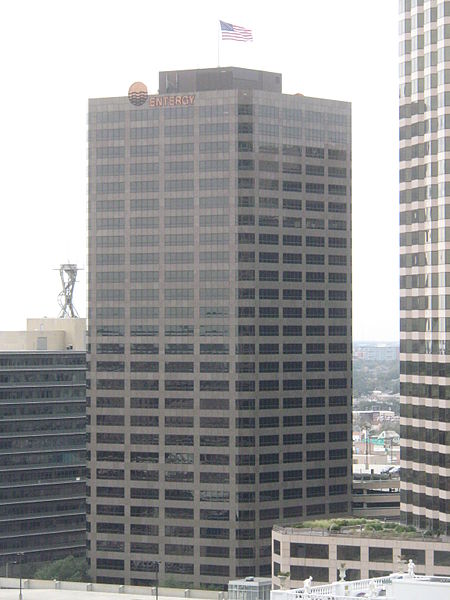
[
  {"x": 424, "y": 262},
  {"x": 219, "y": 323},
  {"x": 42, "y": 442}
]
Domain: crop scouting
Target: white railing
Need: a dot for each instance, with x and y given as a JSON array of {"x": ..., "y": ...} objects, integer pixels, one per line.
[
  {"x": 362, "y": 585},
  {"x": 351, "y": 590},
  {"x": 340, "y": 589}
]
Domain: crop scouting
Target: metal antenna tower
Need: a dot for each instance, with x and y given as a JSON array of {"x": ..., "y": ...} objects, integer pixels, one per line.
[{"x": 68, "y": 273}]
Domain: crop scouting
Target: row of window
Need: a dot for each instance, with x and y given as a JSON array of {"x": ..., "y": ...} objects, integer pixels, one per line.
[
  {"x": 422, "y": 193},
  {"x": 209, "y": 515},
  {"x": 187, "y": 185},
  {"x": 186, "y": 275},
  {"x": 241, "y": 534},
  {"x": 223, "y": 441},
  {"x": 216, "y": 275},
  {"x": 353, "y": 553},
  {"x": 39, "y": 361},
  {"x": 430, "y": 369},
  {"x": 207, "y": 495},
  {"x": 223, "y": 533},
  {"x": 173, "y": 385},
  {"x": 188, "y": 458},
  {"x": 44, "y": 490},
  {"x": 210, "y": 111},
  {"x": 434, "y": 302},
  {"x": 421, "y": 259},
  {"x": 222, "y": 367},
  {"x": 214, "y": 147},
  {"x": 187, "y": 166},
  {"x": 187, "y": 294},
  {"x": 221, "y": 404},
  {"x": 219, "y": 422},
  {"x": 169, "y": 549},
  {"x": 425, "y": 215},
  {"x": 431, "y": 347},
  {"x": 221, "y": 256},
  {"x": 187, "y": 330},
  {"x": 40, "y": 525},
  {"x": 424, "y": 434},
  {"x": 42, "y": 377},
  {"x": 204, "y": 312},
  {"x": 424, "y": 390},
  {"x": 212, "y": 496},
  {"x": 427, "y": 413},
  {"x": 422, "y": 237},
  {"x": 219, "y": 238},
  {"x": 177, "y": 239},
  {"x": 319, "y": 134},
  {"x": 423, "y": 500},
  {"x": 215, "y": 348},
  {"x": 216, "y": 202},
  {"x": 316, "y": 456},
  {"x": 209, "y": 477},
  {"x": 42, "y": 409},
  {"x": 301, "y": 573},
  {"x": 421, "y": 477},
  {"x": 423, "y": 324},
  {"x": 425, "y": 280}
]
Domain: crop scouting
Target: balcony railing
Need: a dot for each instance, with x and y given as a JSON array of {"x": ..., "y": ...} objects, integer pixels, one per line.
[{"x": 350, "y": 590}]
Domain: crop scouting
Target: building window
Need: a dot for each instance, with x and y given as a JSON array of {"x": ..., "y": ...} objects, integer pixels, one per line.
[
  {"x": 317, "y": 573},
  {"x": 380, "y": 554},
  {"x": 348, "y": 553},
  {"x": 441, "y": 558}
]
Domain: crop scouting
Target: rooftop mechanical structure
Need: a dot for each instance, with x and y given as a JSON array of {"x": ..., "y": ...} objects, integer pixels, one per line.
[{"x": 68, "y": 273}]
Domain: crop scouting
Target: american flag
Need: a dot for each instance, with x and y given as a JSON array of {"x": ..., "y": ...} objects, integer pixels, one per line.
[{"x": 234, "y": 32}]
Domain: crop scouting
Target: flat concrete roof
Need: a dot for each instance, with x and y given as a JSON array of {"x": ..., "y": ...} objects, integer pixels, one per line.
[
  {"x": 35, "y": 589},
  {"x": 49, "y": 594}
]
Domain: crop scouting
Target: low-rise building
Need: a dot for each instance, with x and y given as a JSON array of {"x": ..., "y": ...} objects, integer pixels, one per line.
[
  {"x": 324, "y": 548},
  {"x": 376, "y": 495},
  {"x": 42, "y": 442},
  {"x": 376, "y": 352}
]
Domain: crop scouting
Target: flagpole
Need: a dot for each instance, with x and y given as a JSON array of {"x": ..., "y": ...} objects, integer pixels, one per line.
[{"x": 218, "y": 46}]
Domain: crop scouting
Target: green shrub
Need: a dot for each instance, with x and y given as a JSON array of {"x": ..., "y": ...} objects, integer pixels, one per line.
[{"x": 70, "y": 568}]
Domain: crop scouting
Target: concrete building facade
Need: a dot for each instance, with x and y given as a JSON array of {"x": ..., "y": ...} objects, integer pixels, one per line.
[
  {"x": 42, "y": 445},
  {"x": 424, "y": 264},
  {"x": 219, "y": 323},
  {"x": 321, "y": 554},
  {"x": 376, "y": 496}
]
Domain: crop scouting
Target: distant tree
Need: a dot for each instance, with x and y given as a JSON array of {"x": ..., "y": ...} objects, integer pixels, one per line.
[
  {"x": 370, "y": 375},
  {"x": 390, "y": 426},
  {"x": 71, "y": 568}
]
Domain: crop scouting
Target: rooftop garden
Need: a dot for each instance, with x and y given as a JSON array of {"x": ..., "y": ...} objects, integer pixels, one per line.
[{"x": 365, "y": 527}]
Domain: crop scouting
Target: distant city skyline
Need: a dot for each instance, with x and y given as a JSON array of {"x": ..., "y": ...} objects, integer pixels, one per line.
[{"x": 324, "y": 49}]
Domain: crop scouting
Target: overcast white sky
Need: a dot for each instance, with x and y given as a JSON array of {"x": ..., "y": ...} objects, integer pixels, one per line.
[{"x": 57, "y": 54}]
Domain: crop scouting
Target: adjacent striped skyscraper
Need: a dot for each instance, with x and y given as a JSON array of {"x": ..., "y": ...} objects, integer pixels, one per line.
[
  {"x": 219, "y": 323},
  {"x": 424, "y": 262}
]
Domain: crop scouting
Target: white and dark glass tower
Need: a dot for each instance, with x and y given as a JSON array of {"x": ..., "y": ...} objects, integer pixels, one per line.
[
  {"x": 219, "y": 323},
  {"x": 424, "y": 262}
]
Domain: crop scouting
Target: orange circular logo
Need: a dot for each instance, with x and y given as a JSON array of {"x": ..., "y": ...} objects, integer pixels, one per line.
[{"x": 137, "y": 94}]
